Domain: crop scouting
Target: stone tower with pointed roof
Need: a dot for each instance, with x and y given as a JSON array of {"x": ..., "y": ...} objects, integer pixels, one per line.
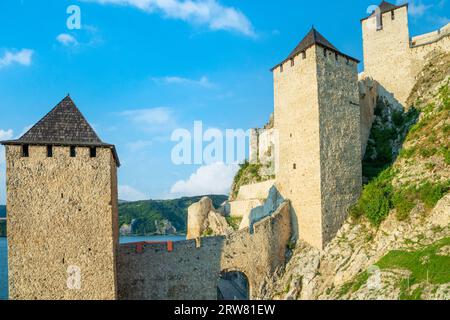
[
  {"x": 62, "y": 210},
  {"x": 317, "y": 116}
]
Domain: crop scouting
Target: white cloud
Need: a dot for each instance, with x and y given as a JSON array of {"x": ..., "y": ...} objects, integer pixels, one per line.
[
  {"x": 416, "y": 8},
  {"x": 210, "y": 179},
  {"x": 151, "y": 117},
  {"x": 198, "y": 12},
  {"x": 128, "y": 193},
  {"x": 66, "y": 39},
  {"x": 139, "y": 145},
  {"x": 22, "y": 57},
  {"x": 6, "y": 134},
  {"x": 203, "y": 81}
]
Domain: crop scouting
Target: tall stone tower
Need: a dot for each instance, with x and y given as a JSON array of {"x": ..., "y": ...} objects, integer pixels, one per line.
[
  {"x": 317, "y": 116},
  {"x": 387, "y": 56},
  {"x": 62, "y": 210}
]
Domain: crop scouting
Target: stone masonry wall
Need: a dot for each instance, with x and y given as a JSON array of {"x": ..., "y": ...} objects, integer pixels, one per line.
[
  {"x": 191, "y": 272},
  {"x": 394, "y": 59},
  {"x": 387, "y": 53},
  {"x": 262, "y": 146},
  {"x": 61, "y": 217},
  {"x": 340, "y": 139},
  {"x": 297, "y": 121}
]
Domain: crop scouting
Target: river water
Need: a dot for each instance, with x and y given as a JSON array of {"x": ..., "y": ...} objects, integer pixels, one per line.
[{"x": 4, "y": 256}]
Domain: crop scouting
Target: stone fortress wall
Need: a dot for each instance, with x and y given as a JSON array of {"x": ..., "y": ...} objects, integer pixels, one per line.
[
  {"x": 190, "y": 270},
  {"x": 249, "y": 197},
  {"x": 340, "y": 140},
  {"x": 57, "y": 231},
  {"x": 262, "y": 146}
]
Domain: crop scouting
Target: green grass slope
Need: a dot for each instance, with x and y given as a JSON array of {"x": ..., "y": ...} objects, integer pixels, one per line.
[{"x": 418, "y": 171}]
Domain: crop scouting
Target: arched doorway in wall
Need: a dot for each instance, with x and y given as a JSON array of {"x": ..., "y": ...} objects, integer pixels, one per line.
[{"x": 233, "y": 285}]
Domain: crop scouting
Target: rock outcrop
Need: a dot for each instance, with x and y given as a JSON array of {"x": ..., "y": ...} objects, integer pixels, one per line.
[
  {"x": 204, "y": 220},
  {"x": 348, "y": 267}
]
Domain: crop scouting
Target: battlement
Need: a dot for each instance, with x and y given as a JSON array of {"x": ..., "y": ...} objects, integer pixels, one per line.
[{"x": 431, "y": 37}]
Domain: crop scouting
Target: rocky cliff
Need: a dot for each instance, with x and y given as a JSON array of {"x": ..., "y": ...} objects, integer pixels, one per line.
[{"x": 396, "y": 241}]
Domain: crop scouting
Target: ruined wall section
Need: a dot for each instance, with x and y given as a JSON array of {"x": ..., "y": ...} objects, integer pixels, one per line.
[
  {"x": 340, "y": 139},
  {"x": 249, "y": 197},
  {"x": 61, "y": 214},
  {"x": 263, "y": 144},
  {"x": 191, "y": 272}
]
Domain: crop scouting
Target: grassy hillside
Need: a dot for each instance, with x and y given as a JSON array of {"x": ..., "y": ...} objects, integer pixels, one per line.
[
  {"x": 145, "y": 213},
  {"x": 419, "y": 170},
  {"x": 423, "y": 271}
]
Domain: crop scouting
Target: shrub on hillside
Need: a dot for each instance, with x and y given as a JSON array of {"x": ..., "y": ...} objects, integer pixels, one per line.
[{"x": 375, "y": 200}]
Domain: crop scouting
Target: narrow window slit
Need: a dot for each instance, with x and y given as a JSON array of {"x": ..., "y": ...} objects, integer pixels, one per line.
[
  {"x": 49, "y": 151},
  {"x": 73, "y": 151},
  {"x": 25, "y": 151},
  {"x": 93, "y": 152}
]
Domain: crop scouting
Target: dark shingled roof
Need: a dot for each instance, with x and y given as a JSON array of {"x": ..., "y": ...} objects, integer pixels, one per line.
[
  {"x": 386, "y": 7},
  {"x": 63, "y": 125},
  {"x": 313, "y": 38}
]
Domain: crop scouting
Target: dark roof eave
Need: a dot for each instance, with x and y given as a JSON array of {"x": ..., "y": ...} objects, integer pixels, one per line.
[
  {"x": 65, "y": 144},
  {"x": 397, "y": 7},
  {"x": 318, "y": 44}
]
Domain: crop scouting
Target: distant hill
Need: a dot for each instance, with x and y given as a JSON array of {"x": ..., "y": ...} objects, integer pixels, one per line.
[
  {"x": 145, "y": 213},
  {"x": 2, "y": 211}
]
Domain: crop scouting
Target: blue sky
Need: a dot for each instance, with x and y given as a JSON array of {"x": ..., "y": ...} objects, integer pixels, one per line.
[{"x": 138, "y": 69}]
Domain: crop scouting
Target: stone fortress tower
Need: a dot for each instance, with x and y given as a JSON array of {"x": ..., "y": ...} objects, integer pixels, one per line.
[
  {"x": 391, "y": 56},
  {"x": 317, "y": 116},
  {"x": 62, "y": 210}
]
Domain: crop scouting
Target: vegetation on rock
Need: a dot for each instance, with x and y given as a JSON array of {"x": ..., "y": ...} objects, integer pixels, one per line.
[
  {"x": 234, "y": 222},
  {"x": 419, "y": 172},
  {"x": 248, "y": 173},
  {"x": 426, "y": 266}
]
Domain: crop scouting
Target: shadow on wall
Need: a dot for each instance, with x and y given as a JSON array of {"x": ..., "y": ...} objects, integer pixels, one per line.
[
  {"x": 233, "y": 285},
  {"x": 156, "y": 273},
  {"x": 390, "y": 126}
]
